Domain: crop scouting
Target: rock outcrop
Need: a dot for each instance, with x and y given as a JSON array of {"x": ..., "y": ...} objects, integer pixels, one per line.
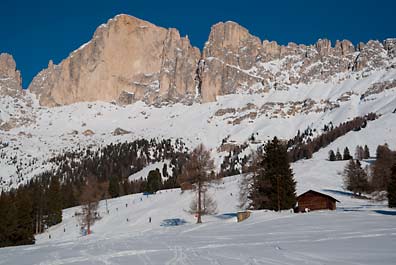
[
  {"x": 15, "y": 104},
  {"x": 129, "y": 59},
  {"x": 234, "y": 61},
  {"x": 10, "y": 77},
  {"x": 127, "y": 56},
  {"x": 227, "y": 55}
]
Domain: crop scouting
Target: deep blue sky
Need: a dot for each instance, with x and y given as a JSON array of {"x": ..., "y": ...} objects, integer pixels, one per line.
[{"x": 35, "y": 31}]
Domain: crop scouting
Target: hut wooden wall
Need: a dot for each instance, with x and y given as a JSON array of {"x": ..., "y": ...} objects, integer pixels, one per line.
[{"x": 315, "y": 202}]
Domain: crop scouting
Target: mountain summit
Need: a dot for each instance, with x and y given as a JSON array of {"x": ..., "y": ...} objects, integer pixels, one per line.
[{"x": 129, "y": 59}]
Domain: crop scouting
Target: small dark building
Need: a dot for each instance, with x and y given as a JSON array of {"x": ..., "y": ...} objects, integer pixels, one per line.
[{"x": 313, "y": 200}]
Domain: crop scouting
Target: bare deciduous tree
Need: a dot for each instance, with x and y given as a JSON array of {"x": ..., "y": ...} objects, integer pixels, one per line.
[
  {"x": 89, "y": 200},
  {"x": 244, "y": 190},
  {"x": 359, "y": 153},
  {"x": 247, "y": 179},
  {"x": 209, "y": 205},
  {"x": 198, "y": 170}
]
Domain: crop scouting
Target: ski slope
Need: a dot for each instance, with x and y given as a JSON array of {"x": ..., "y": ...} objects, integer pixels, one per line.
[{"x": 358, "y": 232}]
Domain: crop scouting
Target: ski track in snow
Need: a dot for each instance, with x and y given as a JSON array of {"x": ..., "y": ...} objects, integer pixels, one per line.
[
  {"x": 358, "y": 232},
  {"x": 362, "y": 236}
]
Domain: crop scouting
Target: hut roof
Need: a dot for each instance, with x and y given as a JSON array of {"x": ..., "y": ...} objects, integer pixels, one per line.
[{"x": 318, "y": 193}]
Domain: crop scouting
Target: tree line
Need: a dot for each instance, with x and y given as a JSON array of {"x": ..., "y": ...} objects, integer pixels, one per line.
[
  {"x": 29, "y": 209},
  {"x": 37, "y": 204},
  {"x": 378, "y": 177},
  {"x": 301, "y": 147}
]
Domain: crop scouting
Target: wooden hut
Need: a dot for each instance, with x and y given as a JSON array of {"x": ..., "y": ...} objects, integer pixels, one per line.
[
  {"x": 186, "y": 186},
  {"x": 313, "y": 200}
]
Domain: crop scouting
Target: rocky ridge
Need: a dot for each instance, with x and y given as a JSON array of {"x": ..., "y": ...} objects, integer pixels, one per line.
[
  {"x": 10, "y": 77},
  {"x": 129, "y": 59},
  {"x": 15, "y": 105}
]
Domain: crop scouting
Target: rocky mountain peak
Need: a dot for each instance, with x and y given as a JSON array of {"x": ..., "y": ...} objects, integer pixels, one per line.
[
  {"x": 10, "y": 77},
  {"x": 126, "y": 56},
  {"x": 390, "y": 46},
  {"x": 323, "y": 46},
  {"x": 129, "y": 59},
  {"x": 8, "y": 67},
  {"x": 228, "y": 35}
]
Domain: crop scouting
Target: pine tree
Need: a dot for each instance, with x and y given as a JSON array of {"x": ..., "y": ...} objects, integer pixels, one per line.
[
  {"x": 24, "y": 233},
  {"x": 4, "y": 209},
  {"x": 69, "y": 196},
  {"x": 382, "y": 167},
  {"x": 11, "y": 222},
  {"x": 165, "y": 171},
  {"x": 347, "y": 155},
  {"x": 54, "y": 202},
  {"x": 392, "y": 188},
  {"x": 114, "y": 188},
  {"x": 274, "y": 187},
  {"x": 338, "y": 155},
  {"x": 332, "y": 156},
  {"x": 355, "y": 178},
  {"x": 366, "y": 152},
  {"x": 154, "y": 181}
]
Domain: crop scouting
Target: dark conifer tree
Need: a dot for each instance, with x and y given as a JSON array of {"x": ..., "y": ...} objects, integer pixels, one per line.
[
  {"x": 274, "y": 187},
  {"x": 54, "y": 202},
  {"x": 366, "y": 152},
  {"x": 154, "y": 181},
  {"x": 4, "y": 209},
  {"x": 114, "y": 189},
  {"x": 382, "y": 167},
  {"x": 24, "y": 233},
  {"x": 347, "y": 155},
  {"x": 69, "y": 196},
  {"x": 355, "y": 178},
  {"x": 11, "y": 222},
  {"x": 392, "y": 188},
  {"x": 338, "y": 155},
  {"x": 165, "y": 171},
  {"x": 332, "y": 156}
]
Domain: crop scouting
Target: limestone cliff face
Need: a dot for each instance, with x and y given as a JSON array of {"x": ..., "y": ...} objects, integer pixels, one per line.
[
  {"x": 10, "y": 77},
  {"x": 234, "y": 61},
  {"x": 128, "y": 59},
  {"x": 229, "y": 52}
]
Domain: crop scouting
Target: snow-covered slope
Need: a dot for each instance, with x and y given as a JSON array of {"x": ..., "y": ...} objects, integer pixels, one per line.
[
  {"x": 27, "y": 146},
  {"x": 358, "y": 232}
]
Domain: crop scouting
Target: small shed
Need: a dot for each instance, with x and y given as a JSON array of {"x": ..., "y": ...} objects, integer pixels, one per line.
[
  {"x": 186, "y": 186},
  {"x": 313, "y": 200}
]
